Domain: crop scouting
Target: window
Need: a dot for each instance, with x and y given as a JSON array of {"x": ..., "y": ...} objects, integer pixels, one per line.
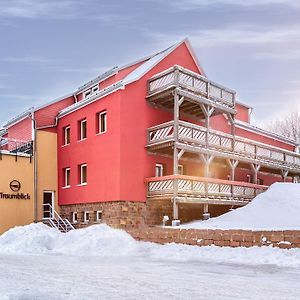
[
  {"x": 90, "y": 91},
  {"x": 180, "y": 169},
  {"x": 74, "y": 217},
  {"x": 86, "y": 217},
  {"x": 159, "y": 170},
  {"x": 66, "y": 139},
  {"x": 83, "y": 174},
  {"x": 98, "y": 215},
  {"x": 82, "y": 130},
  {"x": 101, "y": 117},
  {"x": 67, "y": 172}
]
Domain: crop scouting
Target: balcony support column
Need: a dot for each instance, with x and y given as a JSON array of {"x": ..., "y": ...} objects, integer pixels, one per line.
[
  {"x": 175, "y": 155},
  {"x": 207, "y": 159},
  {"x": 284, "y": 174},
  {"x": 232, "y": 163},
  {"x": 206, "y": 214},
  {"x": 255, "y": 169},
  {"x": 232, "y": 123},
  {"x": 207, "y": 111}
]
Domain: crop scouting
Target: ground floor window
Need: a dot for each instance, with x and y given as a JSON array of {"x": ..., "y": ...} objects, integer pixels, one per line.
[
  {"x": 98, "y": 215},
  {"x": 74, "y": 217},
  {"x": 86, "y": 217}
]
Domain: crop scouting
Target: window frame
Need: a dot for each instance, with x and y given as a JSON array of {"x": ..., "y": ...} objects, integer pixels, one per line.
[
  {"x": 66, "y": 141},
  {"x": 99, "y": 212},
  {"x": 74, "y": 219},
  {"x": 86, "y": 216},
  {"x": 99, "y": 122},
  {"x": 81, "y": 138},
  {"x": 66, "y": 179},
  {"x": 81, "y": 166},
  {"x": 182, "y": 170},
  {"x": 161, "y": 166}
]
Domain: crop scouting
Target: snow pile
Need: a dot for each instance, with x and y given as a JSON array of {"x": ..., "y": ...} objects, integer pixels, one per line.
[
  {"x": 105, "y": 242},
  {"x": 276, "y": 209},
  {"x": 38, "y": 238}
]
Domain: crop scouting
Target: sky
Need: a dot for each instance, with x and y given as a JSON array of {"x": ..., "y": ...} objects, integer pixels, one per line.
[{"x": 48, "y": 48}]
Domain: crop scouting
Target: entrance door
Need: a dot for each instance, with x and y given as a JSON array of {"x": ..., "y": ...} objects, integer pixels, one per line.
[{"x": 48, "y": 204}]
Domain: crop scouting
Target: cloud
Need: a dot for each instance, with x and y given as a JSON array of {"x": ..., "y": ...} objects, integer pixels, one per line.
[
  {"x": 60, "y": 9},
  {"x": 194, "y": 4},
  {"x": 28, "y": 59}
]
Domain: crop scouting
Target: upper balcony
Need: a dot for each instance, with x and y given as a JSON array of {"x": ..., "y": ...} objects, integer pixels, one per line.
[
  {"x": 15, "y": 147},
  {"x": 192, "y": 138},
  {"x": 195, "y": 88}
]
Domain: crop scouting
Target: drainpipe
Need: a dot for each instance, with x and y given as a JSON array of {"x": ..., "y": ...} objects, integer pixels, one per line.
[{"x": 35, "y": 185}]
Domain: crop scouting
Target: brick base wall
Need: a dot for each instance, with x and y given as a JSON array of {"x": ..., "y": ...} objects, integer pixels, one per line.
[
  {"x": 119, "y": 214},
  {"x": 230, "y": 238},
  {"x": 157, "y": 208}
]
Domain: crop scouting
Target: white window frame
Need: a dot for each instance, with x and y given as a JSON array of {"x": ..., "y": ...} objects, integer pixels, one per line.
[
  {"x": 66, "y": 170},
  {"x": 74, "y": 217},
  {"x": 161, "y": 167},
  {"x": 81, "y": 138},
  {"x": 81, "y": 182},
  {"x": 87, "y": 93},
  {"x": 95, "y": 89},
  {"x": 100, "y": 129},
  {"x": 98, "y": 213},
  {"x": 65, "y": 135},
  {"x": 85, "y": 219}
]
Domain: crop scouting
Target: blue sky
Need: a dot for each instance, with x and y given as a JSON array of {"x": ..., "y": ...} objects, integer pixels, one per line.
[{"x": 51, "y": 47}]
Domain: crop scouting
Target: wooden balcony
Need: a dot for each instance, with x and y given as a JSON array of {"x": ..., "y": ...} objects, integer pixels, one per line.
[
  {"x": 192, "y": 138},
  {"x": 195, "y": 88},
  {"x": 202, "y": 190}
]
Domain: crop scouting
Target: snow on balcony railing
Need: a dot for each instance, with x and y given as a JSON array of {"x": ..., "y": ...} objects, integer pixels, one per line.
[
  {"x": 220, "y": 141},
  {"x": 193, "y": 82}
]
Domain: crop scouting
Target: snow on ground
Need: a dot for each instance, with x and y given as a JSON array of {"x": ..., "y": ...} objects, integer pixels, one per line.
[
  {"x": 276, "y": 209},
  {"x": 99, "y": 262}
]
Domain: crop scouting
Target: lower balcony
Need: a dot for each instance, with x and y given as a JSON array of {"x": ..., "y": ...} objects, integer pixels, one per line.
[{"x": 202, "y": 190}]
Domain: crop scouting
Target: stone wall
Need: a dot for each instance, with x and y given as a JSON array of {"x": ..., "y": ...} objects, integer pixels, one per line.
[
  {"x": 119, "y": 214},
  {"x": 223, "y": 238}
]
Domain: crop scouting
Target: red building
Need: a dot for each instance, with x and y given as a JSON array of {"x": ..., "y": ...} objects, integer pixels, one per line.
[{"x": 157, "y": 137}]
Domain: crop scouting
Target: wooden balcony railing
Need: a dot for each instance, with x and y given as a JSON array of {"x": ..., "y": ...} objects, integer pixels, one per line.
[
  {"x": 193, "y": 82},
  {"x": 224, "y": 143},
  {"x": 191, "y": 188}
]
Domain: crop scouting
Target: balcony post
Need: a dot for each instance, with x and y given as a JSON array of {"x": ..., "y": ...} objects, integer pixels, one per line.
[
  {"x": 232, "y": 163},
  {"x": 232, "y": 123},
  {"x": 255, "y": 169},
  {"x": 284, "y": 174},
  {"x": 175, "y": 156}
]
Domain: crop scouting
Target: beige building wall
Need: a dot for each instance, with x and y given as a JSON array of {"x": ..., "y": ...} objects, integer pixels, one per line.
[
  {"x": 15, "y": 212},
  {"x": 46, "y": 145}
]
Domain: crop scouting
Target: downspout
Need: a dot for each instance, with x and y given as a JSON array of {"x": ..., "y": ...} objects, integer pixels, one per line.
[{"x": 35, "y": 169}]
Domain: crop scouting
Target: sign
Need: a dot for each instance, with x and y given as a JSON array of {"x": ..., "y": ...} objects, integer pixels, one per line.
[{"x": 15, "y": 185}]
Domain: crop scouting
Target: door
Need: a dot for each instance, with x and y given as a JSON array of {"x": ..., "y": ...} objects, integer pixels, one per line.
[{"x": 48, "y": 204}]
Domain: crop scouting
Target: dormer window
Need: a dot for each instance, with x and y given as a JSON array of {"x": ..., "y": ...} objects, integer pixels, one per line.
[{"x": 93, "y": 90}]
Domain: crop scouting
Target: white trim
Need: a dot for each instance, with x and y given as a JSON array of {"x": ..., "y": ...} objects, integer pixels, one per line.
[
  {"x": 52, "y": 204},
  {"x": 66, "y": 170},
  {"x": 97, "y": 215},
  {"x": 85, "y": 220},
  {"x": 103, "y": 113},
  {"x": 65, "y": 135},
  {"x": 81, "y": 138},
  {"x": 73, "y": 217},
  {"x": 161, "y": 167},
  {"x": 81, "y": 173}
]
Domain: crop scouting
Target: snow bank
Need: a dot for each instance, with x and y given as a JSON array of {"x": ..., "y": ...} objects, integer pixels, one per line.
[
  {"x": 94, "y": 240},
  {"x": 276, "y": 209},
  {"x": 103, "y": 241}
]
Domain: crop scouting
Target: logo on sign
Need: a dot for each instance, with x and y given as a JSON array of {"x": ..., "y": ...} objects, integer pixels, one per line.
[{"x": 15, "y": 185}]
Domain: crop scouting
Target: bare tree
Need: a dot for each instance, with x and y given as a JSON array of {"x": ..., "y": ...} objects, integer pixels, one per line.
[{"x": 288, "y": 126}]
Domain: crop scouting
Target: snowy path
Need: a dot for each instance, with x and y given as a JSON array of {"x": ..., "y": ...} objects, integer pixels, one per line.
[{"x": 66, "y": 277}]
